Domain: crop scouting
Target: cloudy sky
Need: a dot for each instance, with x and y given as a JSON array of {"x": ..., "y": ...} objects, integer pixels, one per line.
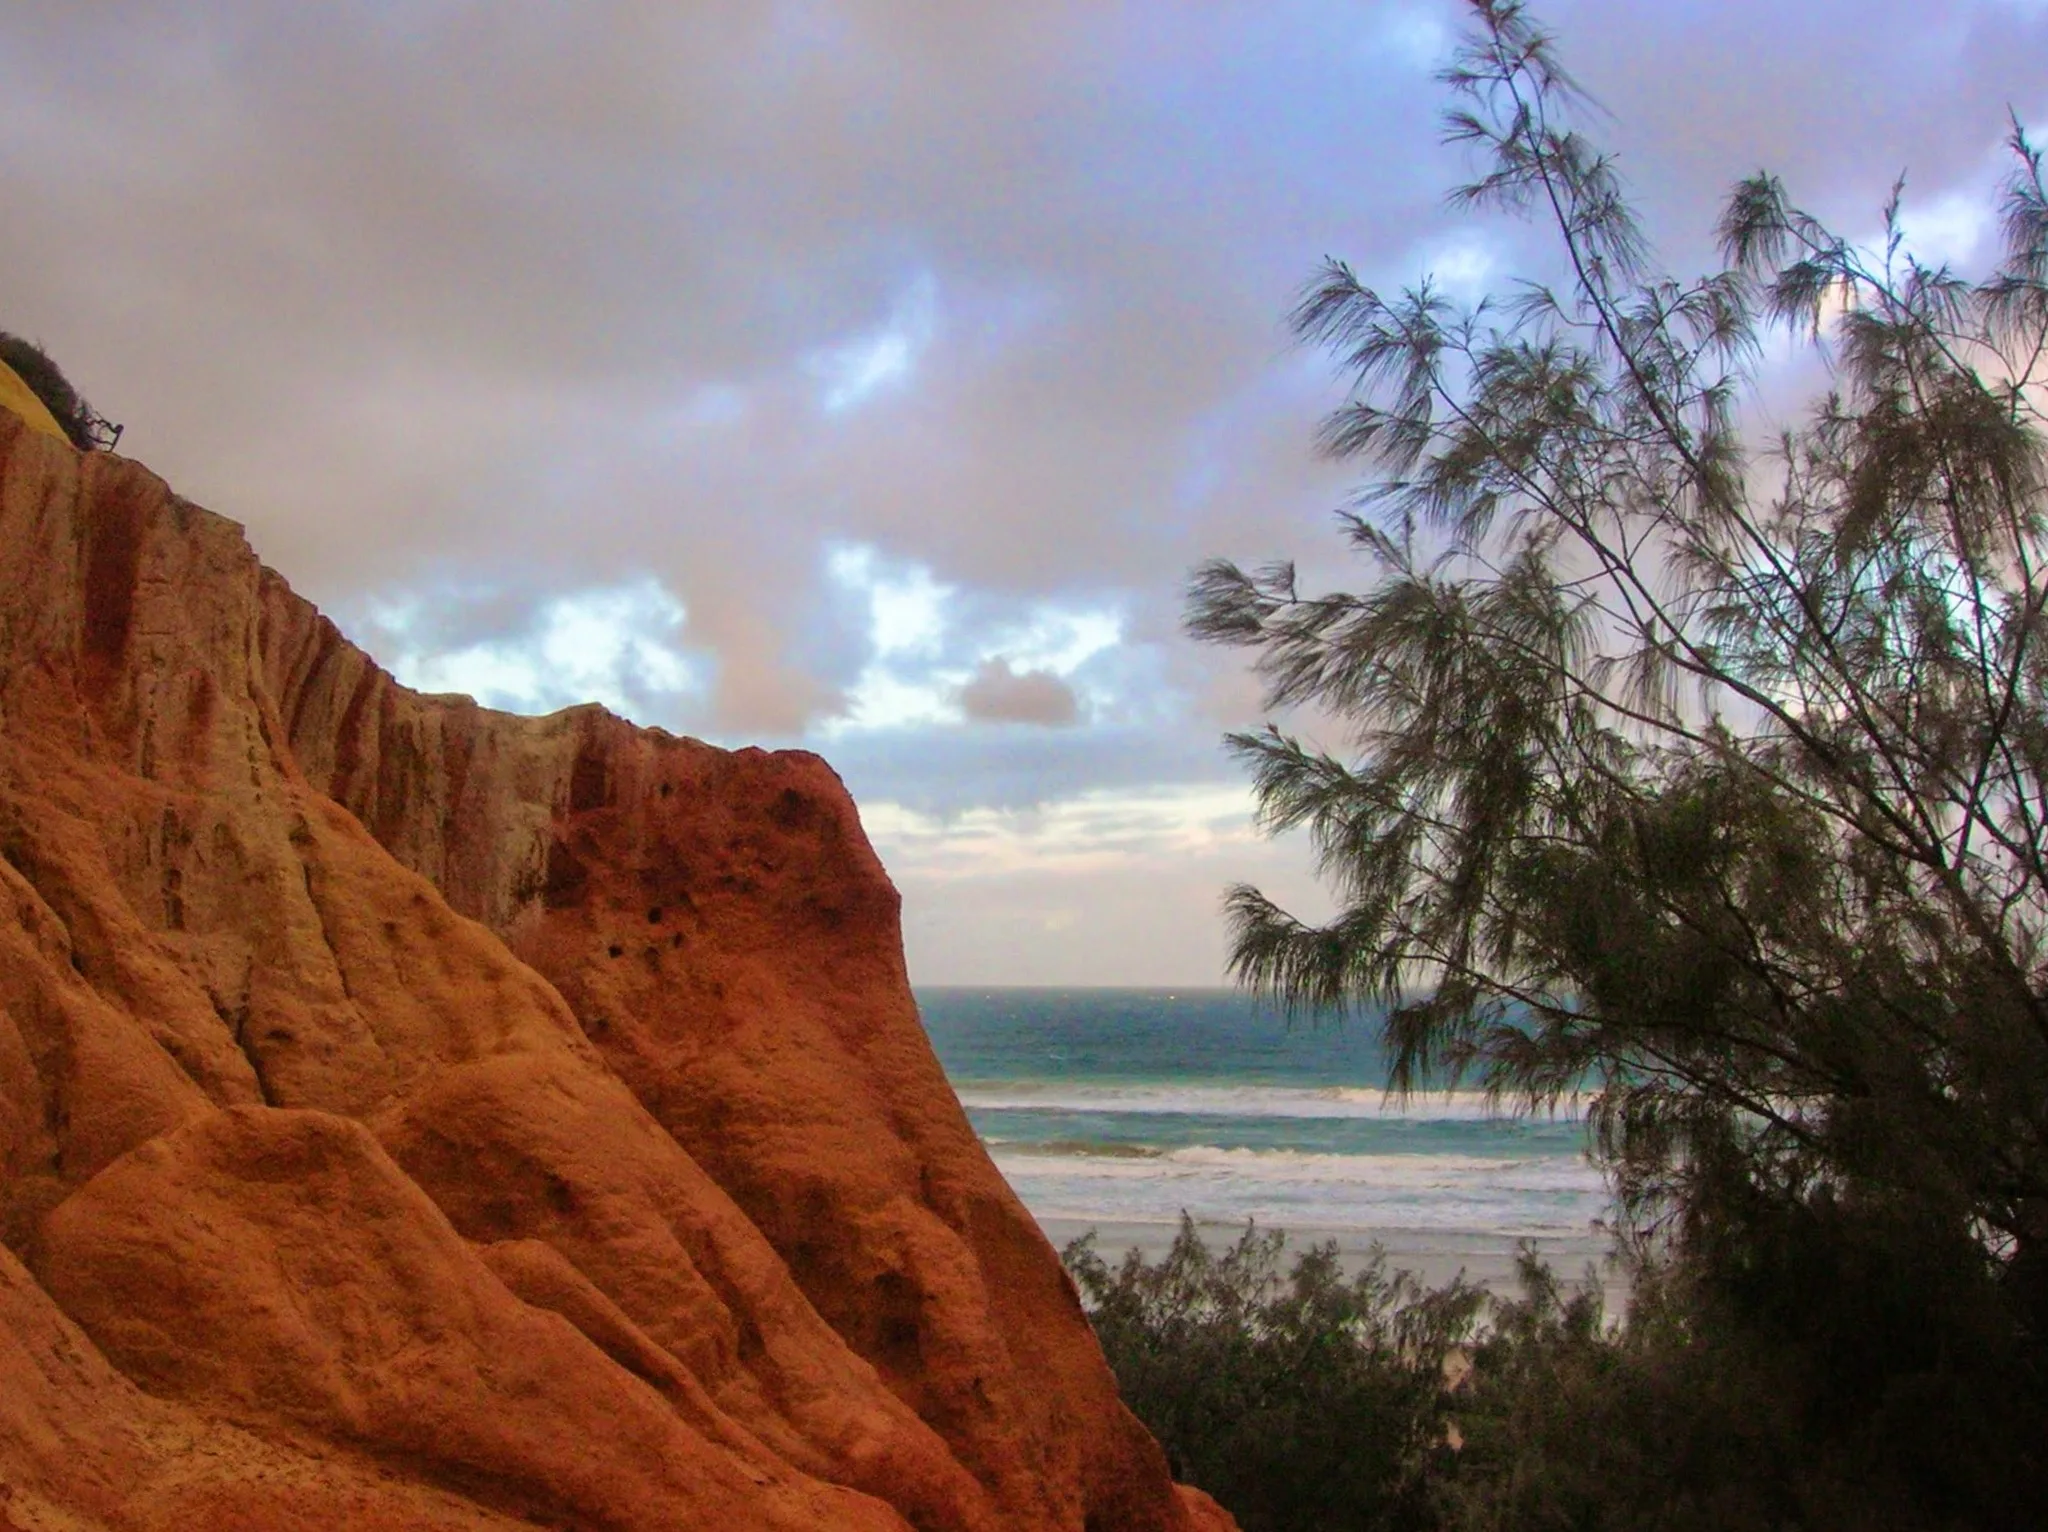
[{"x": 862, "y": 375}]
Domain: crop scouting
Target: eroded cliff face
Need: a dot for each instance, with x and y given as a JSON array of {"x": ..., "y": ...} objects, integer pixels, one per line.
[{"x": 417, "y": 1116}]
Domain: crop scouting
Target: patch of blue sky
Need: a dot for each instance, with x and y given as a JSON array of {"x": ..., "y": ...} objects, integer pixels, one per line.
[
  {"x": 946, "y": 772},
  {"x": 1134, "y": 731},
  {"x": 905, "y": 620}
]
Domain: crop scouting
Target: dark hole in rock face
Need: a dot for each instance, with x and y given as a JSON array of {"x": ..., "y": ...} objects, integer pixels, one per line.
[
  {"x": 654, "y": 915},
  {"x": 898, "y": 1335},
  {"x": 666, "y": 789},
  {"x": 615, "y": 950},
  {"x": 793, "y": 811}
]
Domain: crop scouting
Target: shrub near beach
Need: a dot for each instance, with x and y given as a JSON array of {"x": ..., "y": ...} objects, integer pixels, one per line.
[
  {"x": 1810, "y": 1378},
  {"x": 1309, "y": 1400}
]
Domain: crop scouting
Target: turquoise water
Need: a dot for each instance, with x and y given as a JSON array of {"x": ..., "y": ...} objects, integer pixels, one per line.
[{"x": 1127, "y": 1106}]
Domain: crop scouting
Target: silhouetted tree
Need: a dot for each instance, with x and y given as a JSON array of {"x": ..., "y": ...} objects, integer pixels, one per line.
[{"x": 87, "y": 430}]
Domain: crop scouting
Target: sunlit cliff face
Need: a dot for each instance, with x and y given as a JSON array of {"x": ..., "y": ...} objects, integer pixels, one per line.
[{"x": 862, "y": 375}]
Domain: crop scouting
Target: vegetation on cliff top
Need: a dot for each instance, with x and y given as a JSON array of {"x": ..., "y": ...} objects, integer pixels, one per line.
[{"x": 87, "y": 429}]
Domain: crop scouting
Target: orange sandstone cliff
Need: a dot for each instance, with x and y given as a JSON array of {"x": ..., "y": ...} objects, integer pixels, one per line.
[{"x": 415, "y": 1116}]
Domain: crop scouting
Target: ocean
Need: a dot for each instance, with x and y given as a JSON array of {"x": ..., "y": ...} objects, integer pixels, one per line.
[{"x": 1117, "y": 1109}]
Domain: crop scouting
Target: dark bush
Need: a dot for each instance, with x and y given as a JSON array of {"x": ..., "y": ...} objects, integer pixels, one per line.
[
  {"x": 1831, "y": 1368},
  {"x": 1567, "y": 1422},
  {"x": 1302, "y": 1403}
]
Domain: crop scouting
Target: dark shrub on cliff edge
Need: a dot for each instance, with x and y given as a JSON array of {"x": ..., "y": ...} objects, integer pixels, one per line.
[{"x": 87, "y": 430}]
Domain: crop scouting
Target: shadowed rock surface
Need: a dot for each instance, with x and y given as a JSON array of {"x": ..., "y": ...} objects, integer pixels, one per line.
[{"x": 415, "y": 1116}]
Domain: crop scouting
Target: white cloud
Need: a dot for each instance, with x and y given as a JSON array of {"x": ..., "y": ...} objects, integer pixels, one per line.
[
  {"x": 1057, "y": 639},
  {"x": 615, "y": 645},
  {"x": 851, "y": 373},
  {"x": 1416, "y": 35},
  {"x": 921, "y": 658},
  {"x": 907, "y": 623},
  {"x": 881, "y": 699},
  {"x": 1951, "y": 228},
  {"x": 906, "y": 605},
  {"x": 1464, "y": 267},
  {"x": 909, "y": 614}
]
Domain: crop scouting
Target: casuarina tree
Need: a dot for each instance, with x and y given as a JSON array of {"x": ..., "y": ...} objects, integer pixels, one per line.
[{"x": 1695, "y": 762}]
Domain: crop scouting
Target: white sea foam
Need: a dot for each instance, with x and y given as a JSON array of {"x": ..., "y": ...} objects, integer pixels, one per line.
[
  {"x": 1416, "y": 1172},
  {"x": 1536, "y": 1195},
  {"x": 1334, "y": 1101}
]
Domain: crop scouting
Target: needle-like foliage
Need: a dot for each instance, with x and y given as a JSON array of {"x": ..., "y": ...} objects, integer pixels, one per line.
[{"x": 1699, "y": 767}]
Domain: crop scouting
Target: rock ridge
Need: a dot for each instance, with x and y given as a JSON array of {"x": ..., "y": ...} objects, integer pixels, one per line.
[{"x": 418, "y": 1116}]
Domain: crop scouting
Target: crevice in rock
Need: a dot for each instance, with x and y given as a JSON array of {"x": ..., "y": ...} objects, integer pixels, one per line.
[
  {"x": 313, "y": 898},
  {"x": 236, "y": 1020}
]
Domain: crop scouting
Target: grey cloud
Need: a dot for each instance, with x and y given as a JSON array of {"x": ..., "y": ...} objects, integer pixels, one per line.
[
  {"x": 998, "y": 694},
  {"x": 423, "y": 292},
  {"x": 1837, "y": 97}
]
